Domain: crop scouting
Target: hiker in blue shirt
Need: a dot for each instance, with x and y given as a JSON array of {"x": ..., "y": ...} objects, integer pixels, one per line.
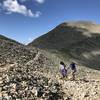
[
  {"x": 73, "y": 68},
  {"x": 63, "y": 69}
]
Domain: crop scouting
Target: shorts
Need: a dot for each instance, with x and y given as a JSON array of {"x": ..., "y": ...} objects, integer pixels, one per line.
[{"x": 64, "y": 72}]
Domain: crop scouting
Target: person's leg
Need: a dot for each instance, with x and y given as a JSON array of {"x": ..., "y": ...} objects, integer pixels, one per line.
[{"x": 73, "y": 75}]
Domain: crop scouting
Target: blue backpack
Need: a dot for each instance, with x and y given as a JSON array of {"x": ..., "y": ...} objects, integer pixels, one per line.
[{"x": 73, "y": 67}]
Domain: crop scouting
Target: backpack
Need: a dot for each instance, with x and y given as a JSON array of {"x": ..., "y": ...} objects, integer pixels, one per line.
[{"x": 73, "y": 67}]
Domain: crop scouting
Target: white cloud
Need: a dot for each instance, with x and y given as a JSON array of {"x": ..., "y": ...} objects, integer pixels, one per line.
[
  {"x": 12, "y": 6},
  {"x": 37, "y": 14},
  {"x": 40, "y": 1}
]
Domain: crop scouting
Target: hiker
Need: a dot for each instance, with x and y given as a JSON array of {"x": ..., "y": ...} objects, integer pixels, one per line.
[
  {"x": 73, "y": 68},
  {"x": 63, "y": 69}
]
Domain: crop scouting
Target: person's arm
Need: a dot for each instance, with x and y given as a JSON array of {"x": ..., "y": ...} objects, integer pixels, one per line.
[
  {"x": 68, "y": 67},
  {"x": 60, "y": 66}
]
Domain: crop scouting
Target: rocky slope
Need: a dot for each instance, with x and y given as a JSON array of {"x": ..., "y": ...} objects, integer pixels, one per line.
[
  {"x": 22, "y": 72},
  {"x": 11, "y": 51},
  {"x": 27, "y": 83}
]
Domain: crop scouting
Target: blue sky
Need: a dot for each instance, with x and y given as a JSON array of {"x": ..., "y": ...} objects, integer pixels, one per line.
[{"x": 25, "y": 20}]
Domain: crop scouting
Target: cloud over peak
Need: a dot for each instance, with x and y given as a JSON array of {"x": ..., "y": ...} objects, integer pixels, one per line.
[{"x": 12, "y": 6}]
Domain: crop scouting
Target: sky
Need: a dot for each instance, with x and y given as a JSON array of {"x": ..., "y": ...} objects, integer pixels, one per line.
[{"x": 25, "y": 20}]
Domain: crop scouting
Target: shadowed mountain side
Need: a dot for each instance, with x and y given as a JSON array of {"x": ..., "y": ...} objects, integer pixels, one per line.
[
  {"x": 73, "y": 43},
  {"x": 58, "y": 38},
  {"x": 86, "y": 51}
]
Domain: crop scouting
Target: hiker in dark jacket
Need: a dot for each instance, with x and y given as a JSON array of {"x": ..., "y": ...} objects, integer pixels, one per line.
[
  {"x": 73, "y": 68},
  {"x": 63, "y": 69}
]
